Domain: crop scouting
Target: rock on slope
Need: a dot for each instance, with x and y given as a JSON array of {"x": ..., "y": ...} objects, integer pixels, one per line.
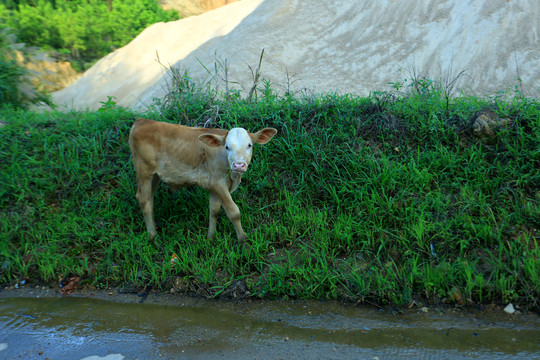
[
  {"x": 193, "y": 7},
  {"x": 349, "y": 46}
]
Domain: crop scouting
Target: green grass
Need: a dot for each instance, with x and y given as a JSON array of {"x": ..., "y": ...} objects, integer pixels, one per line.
[{"x": 378, "y": 199}]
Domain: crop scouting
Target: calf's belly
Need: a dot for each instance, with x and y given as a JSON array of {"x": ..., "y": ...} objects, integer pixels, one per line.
[{"x": 179, "y": 175}]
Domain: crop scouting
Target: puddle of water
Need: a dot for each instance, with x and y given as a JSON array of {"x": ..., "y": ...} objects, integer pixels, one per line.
[{"x": 93, "y": 329}]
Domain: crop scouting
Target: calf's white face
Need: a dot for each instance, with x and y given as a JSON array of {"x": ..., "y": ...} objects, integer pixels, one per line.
[{"x": 239, "y": 148}]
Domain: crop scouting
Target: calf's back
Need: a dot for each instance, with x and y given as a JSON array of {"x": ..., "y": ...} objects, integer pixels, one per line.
[{"x": 175, "y": 153}]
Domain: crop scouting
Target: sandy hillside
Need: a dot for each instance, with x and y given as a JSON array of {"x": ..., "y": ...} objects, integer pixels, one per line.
[{"x": 354, "y": 46}]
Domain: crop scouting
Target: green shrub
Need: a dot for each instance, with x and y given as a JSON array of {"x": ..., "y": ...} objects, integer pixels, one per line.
[{"x": 84, "y": 30}]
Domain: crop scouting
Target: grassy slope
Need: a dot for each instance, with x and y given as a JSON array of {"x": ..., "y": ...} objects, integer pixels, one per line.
[{"x": 368, "y": 199}]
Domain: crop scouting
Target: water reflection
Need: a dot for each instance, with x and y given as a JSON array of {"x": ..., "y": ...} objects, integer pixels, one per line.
[{"x": 81, "y": 327}]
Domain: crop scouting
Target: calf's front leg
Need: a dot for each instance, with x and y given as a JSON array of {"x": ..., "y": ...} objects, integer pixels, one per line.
[{"x": 223, "y": 198}]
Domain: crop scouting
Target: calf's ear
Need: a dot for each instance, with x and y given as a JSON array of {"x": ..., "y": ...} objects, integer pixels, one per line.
[
  {"x": 263, "y": 136},
  {"x": 212, "y": 140}
]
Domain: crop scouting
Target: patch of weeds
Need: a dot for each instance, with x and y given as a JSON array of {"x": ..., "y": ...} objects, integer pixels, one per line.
[{"x": 377, "y": 199}]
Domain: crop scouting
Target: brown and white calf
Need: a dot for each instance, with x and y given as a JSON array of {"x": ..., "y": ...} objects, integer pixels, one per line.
[{"x": 214, "y": 159}]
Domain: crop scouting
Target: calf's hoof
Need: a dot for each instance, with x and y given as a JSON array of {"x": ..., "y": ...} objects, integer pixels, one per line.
[{"x": 242, "y": 238}]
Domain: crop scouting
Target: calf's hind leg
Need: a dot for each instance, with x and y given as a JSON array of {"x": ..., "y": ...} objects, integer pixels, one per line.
[
  {"x": 215, "y": 207},
  {"x": 145, "y": 195}
]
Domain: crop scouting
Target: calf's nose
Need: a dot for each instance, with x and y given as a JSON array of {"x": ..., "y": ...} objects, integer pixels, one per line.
[{"x": 240, "y": 166}]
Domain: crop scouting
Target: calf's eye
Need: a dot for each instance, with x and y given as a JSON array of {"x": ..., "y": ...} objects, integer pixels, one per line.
[
  {"x": 226, "y": 147},
  {"x": 249, "y": 146}
]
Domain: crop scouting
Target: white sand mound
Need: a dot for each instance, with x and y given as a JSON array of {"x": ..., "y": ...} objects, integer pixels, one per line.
[{"x": 349, "y": 46}]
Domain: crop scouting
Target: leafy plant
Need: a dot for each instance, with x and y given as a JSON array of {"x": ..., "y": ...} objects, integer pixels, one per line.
[{"x": 83, "y": 30}]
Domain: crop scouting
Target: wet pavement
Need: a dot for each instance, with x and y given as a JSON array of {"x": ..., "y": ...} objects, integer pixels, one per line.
[{"x": 44, "y": 325}]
